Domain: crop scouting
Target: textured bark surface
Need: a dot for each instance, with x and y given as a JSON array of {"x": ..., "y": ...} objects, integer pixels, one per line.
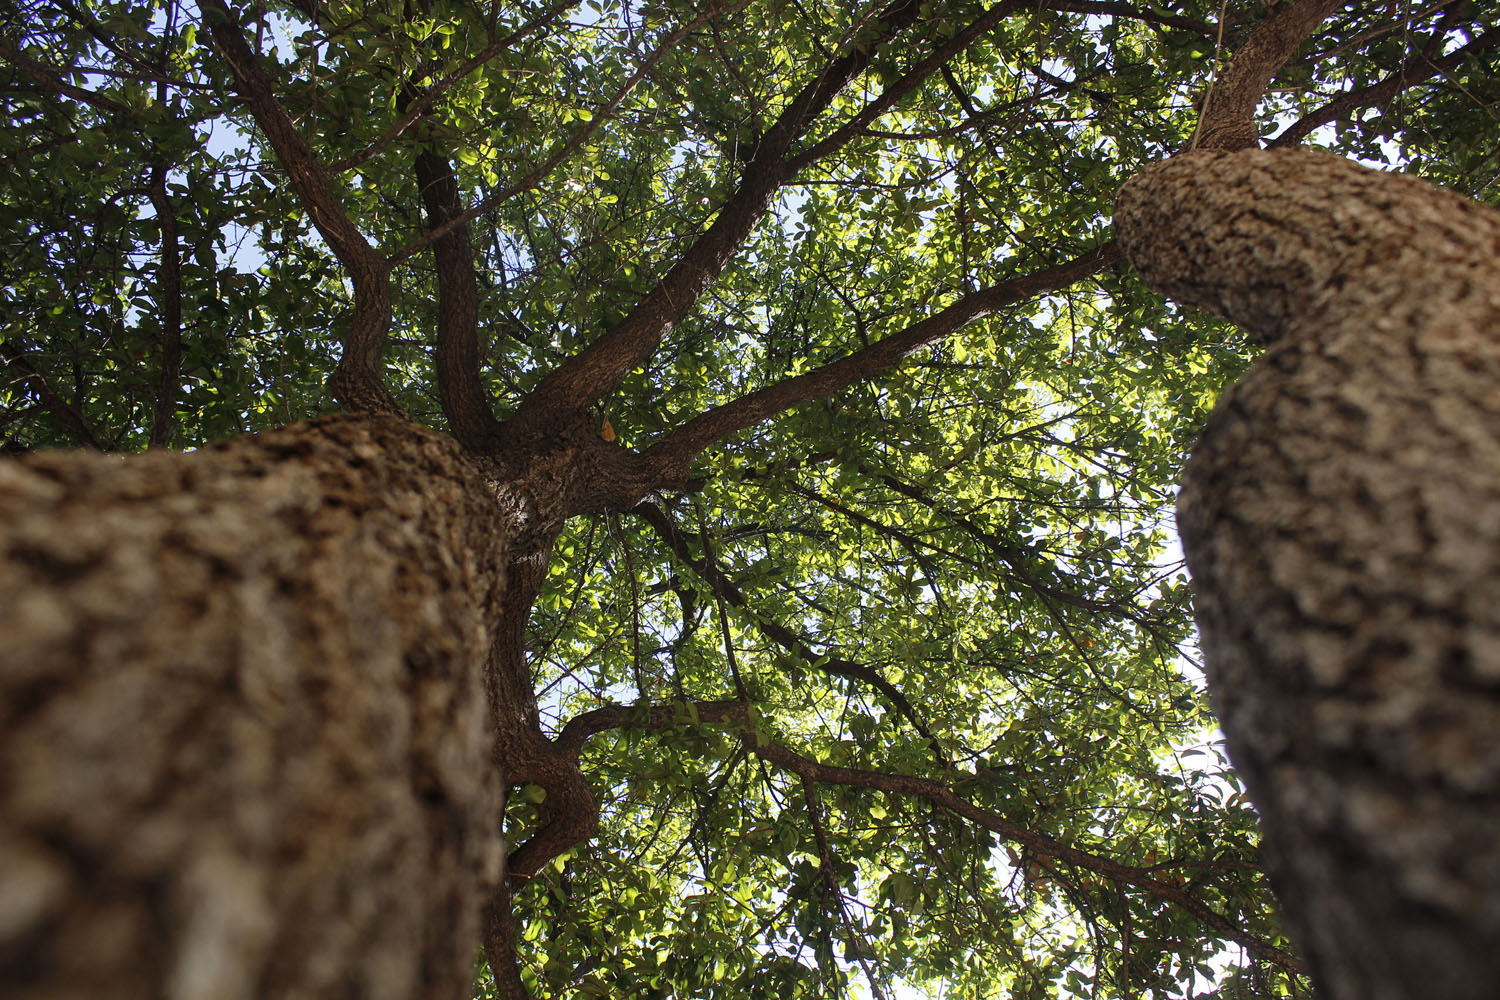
[
  {"x": 244, "y": 743},
  {"x": 1341, "y": 519}
]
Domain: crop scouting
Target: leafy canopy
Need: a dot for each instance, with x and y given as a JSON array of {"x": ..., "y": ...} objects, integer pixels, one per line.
[{"x": 956, "y": 570}]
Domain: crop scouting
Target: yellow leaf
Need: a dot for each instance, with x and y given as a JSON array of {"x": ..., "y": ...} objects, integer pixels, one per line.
[{"x": 607, "y": 432}]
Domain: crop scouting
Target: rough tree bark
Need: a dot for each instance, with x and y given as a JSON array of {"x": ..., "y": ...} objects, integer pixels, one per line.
[
  {"x": 244, "y": 742},
  {"x": 1341, "y": 519}
]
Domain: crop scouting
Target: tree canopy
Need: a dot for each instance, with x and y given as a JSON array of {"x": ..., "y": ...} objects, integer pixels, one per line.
[{"x": 887, "y": 685}]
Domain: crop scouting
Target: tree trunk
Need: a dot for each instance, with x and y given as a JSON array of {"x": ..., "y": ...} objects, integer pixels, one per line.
[
  {"x": 1341, "y": 519},
  {"x": 244, "y": 742}
]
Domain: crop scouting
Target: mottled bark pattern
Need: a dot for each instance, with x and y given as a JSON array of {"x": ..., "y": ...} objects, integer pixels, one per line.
[
  {"x": 244, "y": 744},
  {"x": 1341, "y": 519}
]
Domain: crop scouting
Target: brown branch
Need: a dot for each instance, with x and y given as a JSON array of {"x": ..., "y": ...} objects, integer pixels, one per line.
[
  {"x": 569, "y": 146},
  {"x": 1415, "y": 70},
  {"x": 49, "y": 79},
  {"x": 432, "y": 94},
  {"x": 1228, "y": 119},
  {"x": 673, "y": 453},
  {"x": 66, "y": 415},
  {"x": 909, "y": 81},
  {"x": 596, "y": 369},
  {"x": 725, "y": 589},
  {"x": 169, "y": 295},
  {"x": 1039, "y": 845},
  {"x": 456, "y": 360},
  {"x": 97, "y": 33},
  {"x": 501, "y": 943},
  {"x": 831, "y": 883},
  {"x": 581, "y": 728},
  {"x": 357, "y": 381}
]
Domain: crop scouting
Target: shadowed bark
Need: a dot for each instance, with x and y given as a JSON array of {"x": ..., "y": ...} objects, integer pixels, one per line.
[
  {"x": 244, "y": 744},
  {"x": 1341, "y": 519}
]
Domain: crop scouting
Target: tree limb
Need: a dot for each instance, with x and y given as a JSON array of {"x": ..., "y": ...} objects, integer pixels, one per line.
[
  {"x": 1228, "y": 119},
  {"x": 1415, "y": 70},
  {"x": 423, "y": 104},
  {"x": 568, "y": 146},
  {"x": 596, "y": 369},
  {"x": 581, "y": 728},
  {"x": 357, "y": 381},
  {"x": 1038, "y": 844},
  {"x": 1112, "y": 9},
  {"x": 47, "y": 78},
  {"x": 456, "y": 360},
  {"x": 725, "y": 588},
  {"x": 54, "y": 403},
  {"x": 169, "y": 296},
  {"x": 908, "y": 82},
  {"x": 672, "y": 454}
]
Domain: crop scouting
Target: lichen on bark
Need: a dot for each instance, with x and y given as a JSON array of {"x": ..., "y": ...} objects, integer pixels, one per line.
[
  {"x": 1341, "y": 520},
  {"x": 244, "y": 742}
]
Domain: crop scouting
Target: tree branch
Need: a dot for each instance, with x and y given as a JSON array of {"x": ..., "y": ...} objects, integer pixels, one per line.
[
  {"x": 1228, "y": 119},
  {"x": 568, "y": 146},
  {"x": 500, "y": 944},
  {"x": 908, "y": 82},
  {"x": 464, "y": 400},
  {"x": 169, "y": 296},
  {"x": 581, "y": 728},
  {"x": 357, "y": 381},
  {"x": 596, "y": 369},
  {"x": 725, "y": 589},
  {"x": 1415, "y": 70},
  {"x": 54, "y": 404},
  {"x": 48, "y": 79},
  {"x": 673, "y": 453},
  {"x": 1112, "y": 9},
  {"x": 1037, "y": 844}
]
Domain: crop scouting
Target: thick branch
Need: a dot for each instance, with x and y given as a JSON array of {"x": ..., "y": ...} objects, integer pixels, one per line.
[
  {"x": 673, "y": 453},
  {"x": 169, "y": 300},
  {"x": 1415, "y": 70},
  {"x": 357, "y": 382},
  {"x": 1228, "y": 120},
  {"x": 581, "y": 727},
  {"x": 1037, "y": 844},
  {"x": 599, "y": 367},
  {"x": 501, "y": 943},
  {"x": 464, "y": 400}
]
